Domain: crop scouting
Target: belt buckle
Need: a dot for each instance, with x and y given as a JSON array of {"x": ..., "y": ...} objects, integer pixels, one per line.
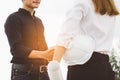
[{"x": 42, "y": 68}]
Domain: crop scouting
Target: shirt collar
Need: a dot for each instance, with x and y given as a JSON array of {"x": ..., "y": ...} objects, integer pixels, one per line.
[{"x": 25, "y": 11}]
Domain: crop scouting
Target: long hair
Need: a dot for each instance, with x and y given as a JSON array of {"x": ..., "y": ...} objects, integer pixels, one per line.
[{"x": 105, "y": 7}]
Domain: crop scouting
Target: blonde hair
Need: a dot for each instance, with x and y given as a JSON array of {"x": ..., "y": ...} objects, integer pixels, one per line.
[{"x": 105, "y": 7}]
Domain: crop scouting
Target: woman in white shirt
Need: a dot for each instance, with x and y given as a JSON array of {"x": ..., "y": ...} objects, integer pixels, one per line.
[{"x": 96, "y": 20}]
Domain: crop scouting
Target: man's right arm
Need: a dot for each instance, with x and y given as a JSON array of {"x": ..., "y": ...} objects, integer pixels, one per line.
[
  {"x": 18, "y": 49},
  {"x": 48, "y": 54}
]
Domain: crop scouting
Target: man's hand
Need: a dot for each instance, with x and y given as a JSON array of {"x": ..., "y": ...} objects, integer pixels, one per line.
[{"x": 48, "y": 54}]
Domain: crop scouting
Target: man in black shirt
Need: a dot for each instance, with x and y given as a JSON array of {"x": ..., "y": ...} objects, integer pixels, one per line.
[{"x": 25, "y": 33}]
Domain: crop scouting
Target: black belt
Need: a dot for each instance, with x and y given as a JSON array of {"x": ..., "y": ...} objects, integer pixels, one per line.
[{"x": 41, "y": 68}]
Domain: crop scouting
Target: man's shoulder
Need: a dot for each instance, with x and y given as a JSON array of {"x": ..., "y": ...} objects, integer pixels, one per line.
[
  {"x": 11, "y": 18},
  {"x": 38, "y": 18},
  {"x": 13, "y": 15}
]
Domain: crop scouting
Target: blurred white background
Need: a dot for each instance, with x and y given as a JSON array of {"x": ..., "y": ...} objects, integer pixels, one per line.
[{"x": 52, "y": 13}]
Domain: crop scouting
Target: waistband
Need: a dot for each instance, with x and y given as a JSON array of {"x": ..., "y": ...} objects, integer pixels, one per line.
[
  {"x": 95, "y": 58},
  {"x": 104, "y": 52},
  {"x": 41, "y": 68}
]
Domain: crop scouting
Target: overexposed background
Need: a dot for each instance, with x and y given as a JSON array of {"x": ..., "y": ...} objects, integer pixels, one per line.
[{"x": 52, "y": 13}]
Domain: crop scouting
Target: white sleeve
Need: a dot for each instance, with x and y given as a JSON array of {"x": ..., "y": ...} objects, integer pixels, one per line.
[{"x": 71, "y": 25}]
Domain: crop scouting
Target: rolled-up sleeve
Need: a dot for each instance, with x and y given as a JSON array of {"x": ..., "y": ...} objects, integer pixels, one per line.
[
  {"x": 71, "y": 25},
  {"x": 14, "y": 35}
]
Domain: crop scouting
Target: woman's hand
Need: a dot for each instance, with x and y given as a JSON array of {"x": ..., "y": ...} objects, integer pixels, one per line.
[{"x": 48, "y": 54}]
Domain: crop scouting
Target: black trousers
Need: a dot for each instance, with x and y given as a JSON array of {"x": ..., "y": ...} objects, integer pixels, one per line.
[
  {"x": 28, "y": 72},
  {"x": 97, "y": 68}
]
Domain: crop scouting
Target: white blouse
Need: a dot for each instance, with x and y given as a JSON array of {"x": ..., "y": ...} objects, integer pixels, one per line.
[{"x": 82, "y": 19}]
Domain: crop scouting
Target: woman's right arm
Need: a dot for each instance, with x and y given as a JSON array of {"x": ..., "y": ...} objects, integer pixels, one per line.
[
  {"x": 59, "y": 51},
  {"x": 70, "y": 28}
]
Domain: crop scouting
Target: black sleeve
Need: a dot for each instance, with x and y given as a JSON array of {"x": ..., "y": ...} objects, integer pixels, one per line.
[{"x": 14, "y": 35}]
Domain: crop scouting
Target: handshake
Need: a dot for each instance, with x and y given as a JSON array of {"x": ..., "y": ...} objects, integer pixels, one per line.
[
  {"x": 54, "y": 70},
  {"x": 53, "y": 67},
  {"x": 48, "y": 54},
  {"x": 45, "y": 55}
]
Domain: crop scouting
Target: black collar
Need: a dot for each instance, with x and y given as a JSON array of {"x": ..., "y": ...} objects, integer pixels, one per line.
[{"x": 25, "y": 11}]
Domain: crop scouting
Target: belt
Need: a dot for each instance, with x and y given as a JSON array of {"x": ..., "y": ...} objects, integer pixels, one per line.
[
  {"x": 41, "y": 68},
  {"x": 104, "y": 52}
]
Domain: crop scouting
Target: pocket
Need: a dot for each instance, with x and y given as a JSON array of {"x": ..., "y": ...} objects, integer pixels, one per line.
[{"x": 20, "y": 72}]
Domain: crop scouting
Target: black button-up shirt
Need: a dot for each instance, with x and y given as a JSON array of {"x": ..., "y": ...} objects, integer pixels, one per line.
[{"x": 25, "y": 33}]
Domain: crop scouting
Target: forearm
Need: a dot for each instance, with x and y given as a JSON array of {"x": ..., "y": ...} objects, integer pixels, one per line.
[
  {"x": 47, "y": 54},
  {"x": 59, "y": 51},
  {"x": 35, "y": 54}
]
